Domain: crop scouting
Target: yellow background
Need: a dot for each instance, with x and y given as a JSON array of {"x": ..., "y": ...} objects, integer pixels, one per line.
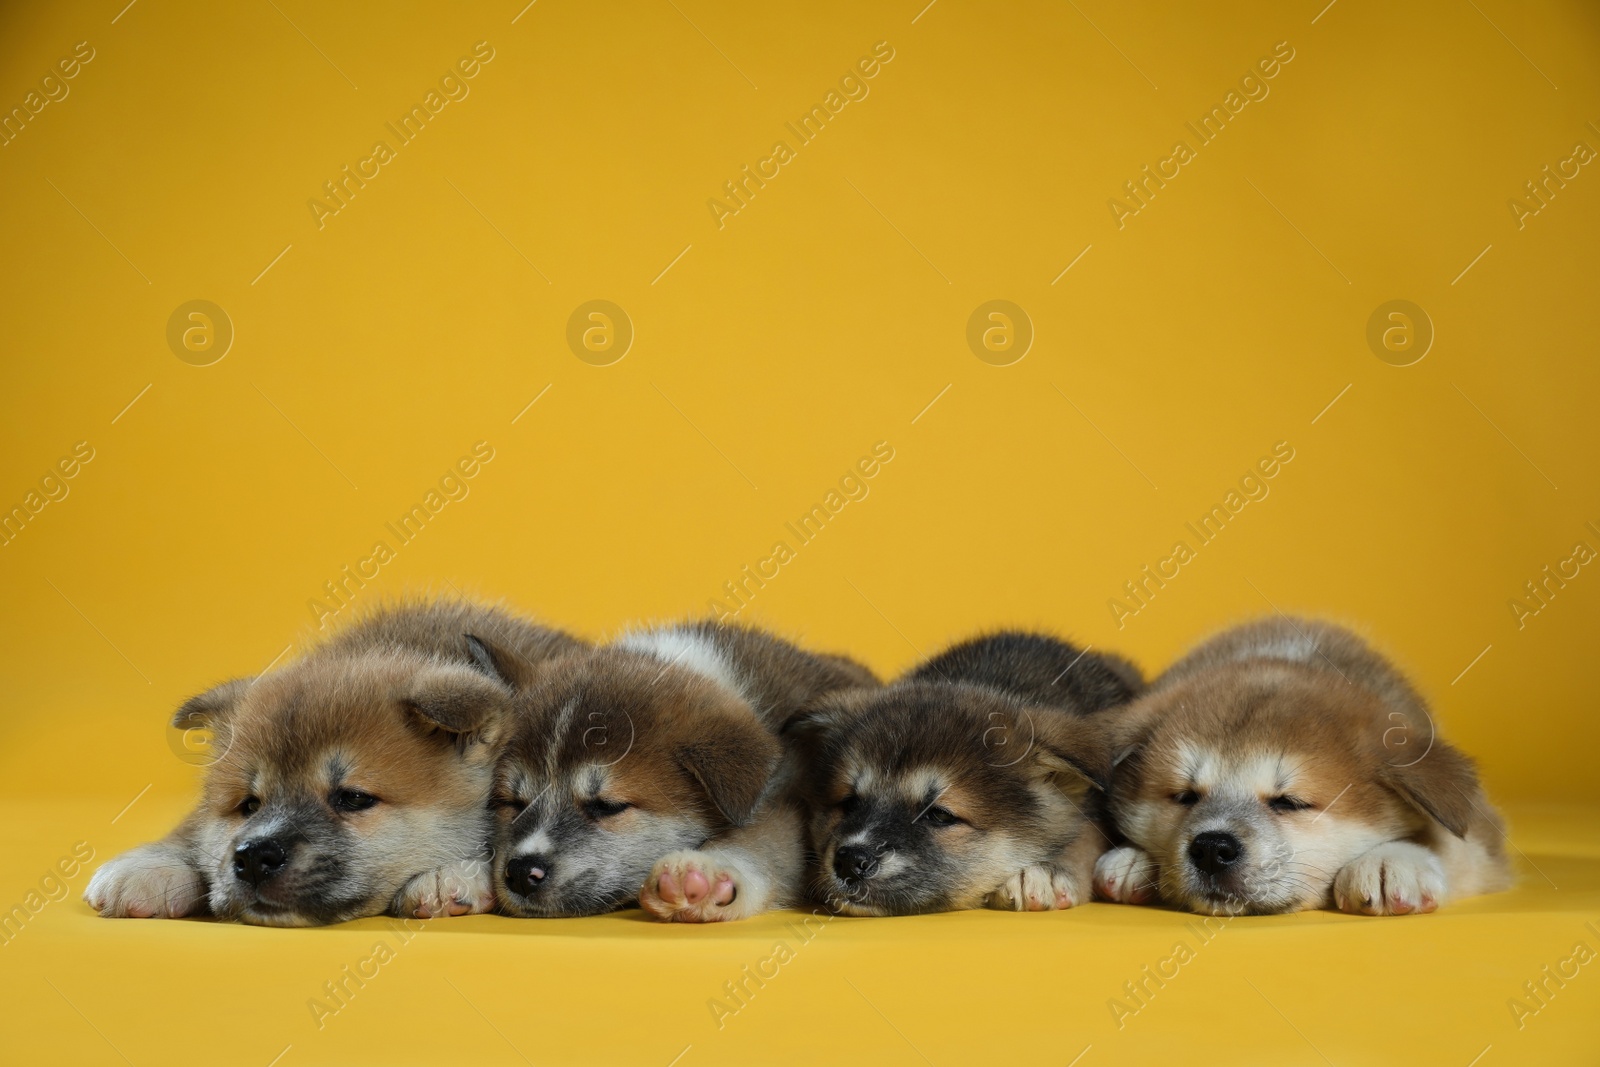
[{"x": 770, "y": 354}]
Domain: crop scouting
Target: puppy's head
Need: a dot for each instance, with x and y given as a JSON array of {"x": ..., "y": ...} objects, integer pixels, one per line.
[
  {"x": 615, "y": 760},
  {"x": 926, "y": 796},
  {"x": 341, "y": 778},
  {"x": 1252, "y": 784}
]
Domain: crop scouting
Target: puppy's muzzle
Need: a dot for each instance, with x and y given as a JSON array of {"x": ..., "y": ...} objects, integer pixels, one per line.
[
  {"x": 1215, "y": 851},
  {"x": 259, "y": 861},
  {"x": 525, "y": 875},
  {"x": 854, "y": 863}
]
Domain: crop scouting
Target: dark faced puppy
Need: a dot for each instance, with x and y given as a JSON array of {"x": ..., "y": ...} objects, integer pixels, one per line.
[
  {"x": 1285, "y": 765},
  {"x": 969, "y": 781},
  {"x": 350, "y": 782},
  {"x": 654, "y": 763}
]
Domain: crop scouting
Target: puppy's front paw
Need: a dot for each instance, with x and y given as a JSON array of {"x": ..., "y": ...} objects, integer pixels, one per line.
[
  {"x": 151, "y": 882},
  {"x": 1397, "y": 878},
  {"x": 693, "y": 887},
  {"x": 464, "y": 887},
  {"x": 1038, "y": 887},
  {"x": 1125, "y": 875}
]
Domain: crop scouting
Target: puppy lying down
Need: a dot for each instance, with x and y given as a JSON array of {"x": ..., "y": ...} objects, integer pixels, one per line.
[
  {"x": 650, "y": 770},
  {"x": 1285, "y": 765},
  {"x": 971, "y": 780},
  {"x": 351, "y": 782}
]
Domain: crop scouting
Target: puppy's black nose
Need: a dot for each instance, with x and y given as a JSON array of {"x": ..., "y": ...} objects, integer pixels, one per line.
[
  {"x": 256, "y": 861},
  {"x": 525, "y": 874},
  {"x": 1215, "y": 851},
  {"x": 853, "y": 861}
]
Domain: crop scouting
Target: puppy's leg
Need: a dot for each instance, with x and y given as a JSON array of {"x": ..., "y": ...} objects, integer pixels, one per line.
[
  {"x": 160, "y": 880},
  {"x": 738, "y": 874},
  {"x": 1395, "y": 878},
  {"x": 464, "y": 887},
  {"x": 1126, "y": 875},
  {"x": 1063, "y": 883}
]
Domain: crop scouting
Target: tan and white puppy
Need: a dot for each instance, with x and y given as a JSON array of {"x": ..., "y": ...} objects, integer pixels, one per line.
[
  {"x": 650, "y": 770},
  {"x": 350, "y": 782},
  {"x": 971, "y": 780},
  {"x": 1285, "y": 765}
]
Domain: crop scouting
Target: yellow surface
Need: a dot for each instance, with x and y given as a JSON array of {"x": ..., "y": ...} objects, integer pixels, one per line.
[
  {"x": 969, "y": 987},
  {"x": 375, "y": 346}
]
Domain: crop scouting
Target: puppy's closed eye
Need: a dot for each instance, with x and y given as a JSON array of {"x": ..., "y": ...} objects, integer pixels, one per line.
[
  {"x": 350, "y": 801},
  {"x": 1286, "y": 803},
  {"x": 602, "y": 808},
  {"x": 1187, "y": 797},
  {"x": 940, "y": 816}
]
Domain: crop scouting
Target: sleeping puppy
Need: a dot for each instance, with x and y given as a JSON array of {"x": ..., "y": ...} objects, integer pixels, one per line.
[
  {"x": 1284, "y": 765},
  {"x": 351, "y": 782},
  {"x": 654, "y": 762},
  {"x": 970, "y": 780}
]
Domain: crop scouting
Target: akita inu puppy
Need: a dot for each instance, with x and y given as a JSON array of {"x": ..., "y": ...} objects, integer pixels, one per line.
[
  {"x": 1284, "y": 765},
  {"x": 350, "y": 782},
  {"x": 971, "y": 780},
  {"x": 650, "y": 770}
]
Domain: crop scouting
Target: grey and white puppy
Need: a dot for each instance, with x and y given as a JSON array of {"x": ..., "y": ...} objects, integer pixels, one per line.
[{"x": 971, "y": 780}]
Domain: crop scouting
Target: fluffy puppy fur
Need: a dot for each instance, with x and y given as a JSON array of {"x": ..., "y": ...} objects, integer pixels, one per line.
[
  {"x": 1285, "y": 765},
  {"x": 654, "y": 762},
  {"x": 353, "y": 781},
  {"x": 972, "y": 779}
]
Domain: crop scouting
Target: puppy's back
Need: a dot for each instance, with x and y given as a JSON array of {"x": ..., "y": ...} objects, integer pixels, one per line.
[
  {"x": 1341, "y": 657},
  {"x": 1038, "y": 669},
  {"x": 774, "y": 676},
  {"x": 439, "y": 629}
]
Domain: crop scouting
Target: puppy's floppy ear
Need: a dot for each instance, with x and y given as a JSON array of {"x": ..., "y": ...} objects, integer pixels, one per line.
[
  {"x": 1443, "y": 784},
  {"x": 1083, "y": 744},
  {"x": 732, "y": 757},
  {"x": 807, "y": 730},
  {"x": 818, "y": 717},
  {"x": 491, "y": 659},
  {"x": 1091, "y": 745},
  {"x": 209, "y": 709},
  {"x": 460, "y": 701}
]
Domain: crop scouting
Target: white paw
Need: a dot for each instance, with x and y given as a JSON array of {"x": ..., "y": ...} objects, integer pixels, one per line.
[
  {"x": 464, "y": 887},
  {"x": 149, "y": 882},
  {"x": 1126, "y": 875},
  {"x": 1397, "y": 878},
  {"x": 1038, "y": 887},
  {"x": 694, "y": 887}
]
